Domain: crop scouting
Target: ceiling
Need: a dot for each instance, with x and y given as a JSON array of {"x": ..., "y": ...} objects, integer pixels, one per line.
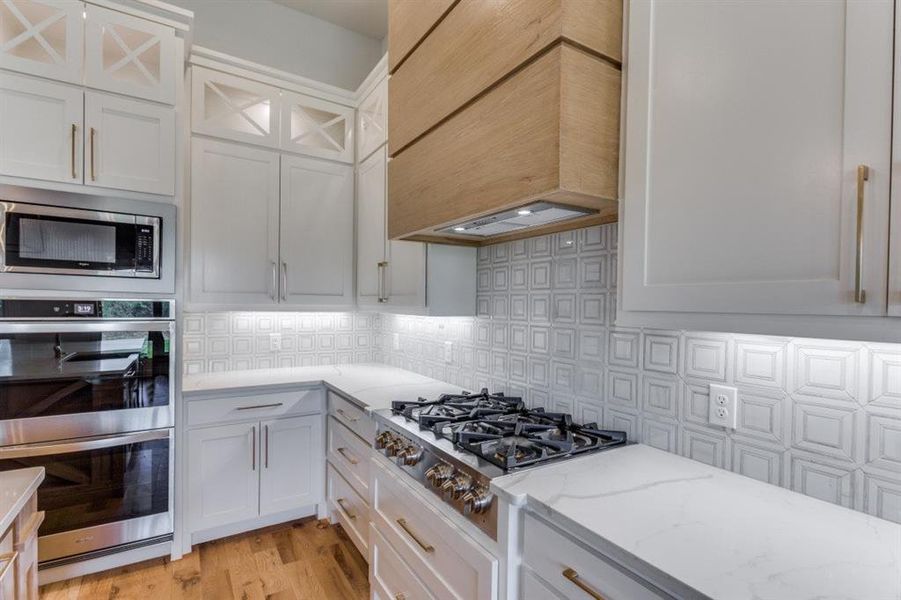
[{"x": 369, "y": 17}]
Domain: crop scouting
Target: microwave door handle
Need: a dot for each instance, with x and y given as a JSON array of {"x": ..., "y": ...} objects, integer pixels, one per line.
[{"x": 31, "y": 450}]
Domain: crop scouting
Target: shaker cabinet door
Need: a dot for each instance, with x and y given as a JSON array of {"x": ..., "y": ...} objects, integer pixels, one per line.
[
  {"x": 234, "y": 224},
  {"x": 371, "y": 181},
  {"x": 223, "y": 475},
  {"x": 128, "y": 55},
  {"x": 40, "y": 129},
  {"x": 130, "y": 145},
  {"x": 317, "y": 224},
  {"x": 293, "y": 472},
  {"x": 43, "y": 38},
  {"x": 758, "y": 157}
]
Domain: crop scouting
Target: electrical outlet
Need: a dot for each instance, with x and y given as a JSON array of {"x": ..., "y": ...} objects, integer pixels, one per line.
[
  {"x": 275, "y": 342},
  {"x": 723, "y": 407},
  {"x": 395, "y": 341},
  {"x": 448, "y": 352}
]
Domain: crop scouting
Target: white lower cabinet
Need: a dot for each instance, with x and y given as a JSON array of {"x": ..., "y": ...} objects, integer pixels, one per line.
[
  {"x": 240, "y": 474},
  {"x": 556, "y": 565},
  {"x": 349, "y": 508},
  {"x": 291, "y": 474},
  {"x": 450, "y": 563},
  {"x": 223, "y": 482},
  {"x": 389, "y": 576}
]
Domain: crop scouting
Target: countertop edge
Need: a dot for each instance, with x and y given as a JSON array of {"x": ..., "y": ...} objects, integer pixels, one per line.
[{"x": 38, "y": 477}]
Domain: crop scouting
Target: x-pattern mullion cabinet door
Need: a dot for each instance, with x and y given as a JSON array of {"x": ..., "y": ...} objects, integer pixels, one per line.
[
  {"x": 40, "y": 129},
  {"x": 372, "y": 121},
  {"x": 43, "y": 38},
  {"x": 130, "y": 145},
  {"x": 234, "y": 108},
  {"x": 129, "y": 56},
  {"x": 317, "y": 127}
]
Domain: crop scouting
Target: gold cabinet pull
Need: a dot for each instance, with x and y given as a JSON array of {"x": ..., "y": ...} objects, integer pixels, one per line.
[
  {"x": 383, "y": 285},
  {"x": 258, "y": 406},
  {"x": 573, "y": 576},
  {"x": 343, "y": 504},
  {"x": 253, "y": 448},
  {"x": 399, "y": 596},
  {"x": 860, "y": 294},
  {"x": 341, "y": 412},
  {"x": 266, "y": 444},
  {"x": 285, "y": 280},
  {"x": 273, "y": 293},
  {"x": 74, "y": 131},
  {"x": 348, "y": 456},
  {"x": 427, "y": 548},
  {"x": 93, "y": 175}
]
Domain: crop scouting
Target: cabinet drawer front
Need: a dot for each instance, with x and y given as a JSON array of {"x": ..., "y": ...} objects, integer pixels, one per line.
[
  {"x": 567, "y": 565},
  {"x": 350, "y": 508},
  {"x": 254, "y": 406},
  {"x": 349, "y": 455},
  {"x": 351, "y": 415},
  {"x": 534, "y": 588},
  {"x": 388, "y": 573},
  {"x": 451, "y": 564}
]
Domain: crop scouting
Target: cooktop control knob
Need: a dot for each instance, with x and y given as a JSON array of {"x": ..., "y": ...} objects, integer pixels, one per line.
[
  {"x": 438, "y": 474},
  {"x": 411, "y": 455},
  {"x": 395, "y": 446},
  {"x": 383, "y": 439},
  {"x": 476, "y": 500},
  {"x": 457, "y": 485}
]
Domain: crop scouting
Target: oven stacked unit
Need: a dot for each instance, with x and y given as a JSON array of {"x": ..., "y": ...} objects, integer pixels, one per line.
[{"x": 86, "y": 392}]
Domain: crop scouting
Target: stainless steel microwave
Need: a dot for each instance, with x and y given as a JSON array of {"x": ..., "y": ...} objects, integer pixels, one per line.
[{"x": 36, "y": 238}]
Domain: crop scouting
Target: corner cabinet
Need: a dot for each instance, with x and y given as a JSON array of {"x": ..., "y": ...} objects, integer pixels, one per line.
[{"x": 757, "y": 180}]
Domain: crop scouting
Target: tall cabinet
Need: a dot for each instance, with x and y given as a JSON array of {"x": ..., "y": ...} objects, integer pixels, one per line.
[{"x": 756, "y": 174}]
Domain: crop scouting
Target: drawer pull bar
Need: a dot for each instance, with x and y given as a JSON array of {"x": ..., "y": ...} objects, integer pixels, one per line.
[
  {"x": 258, "y": 406},
  {"x": 399, "y": 596},
  {"x": 9, "y": 560},
  {"x": 573, "y": 576},
  {"x": 253, "y": 448},
  {"x": 860, "y": 295},
  {"x": 427, "y": 548},
  {"x": 348, "y": 456},
  {"x": 341, "y": 412},
  {"x": 342, "y": 503}
]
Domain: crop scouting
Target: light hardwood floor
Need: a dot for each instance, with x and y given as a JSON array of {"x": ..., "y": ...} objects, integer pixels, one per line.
[{"x": 302, "y": 560}]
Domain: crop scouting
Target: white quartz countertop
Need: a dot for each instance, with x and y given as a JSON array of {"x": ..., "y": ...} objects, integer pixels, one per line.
[
  {"x": 369, "y": 385},
  {"x": 16, "y": 487},
  {"x": 720, "y": 534}
]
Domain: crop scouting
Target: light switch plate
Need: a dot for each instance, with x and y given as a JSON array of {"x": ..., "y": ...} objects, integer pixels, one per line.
[
  {"x": 275, "y": 342},
  {"x": 723, "y": 407},
  {"x": 395, "y": 341},
  {"x": 448, "y": 352}
]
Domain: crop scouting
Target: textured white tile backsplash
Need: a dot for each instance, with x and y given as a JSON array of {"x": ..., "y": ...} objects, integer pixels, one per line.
[{"x": 820, "y": 417}]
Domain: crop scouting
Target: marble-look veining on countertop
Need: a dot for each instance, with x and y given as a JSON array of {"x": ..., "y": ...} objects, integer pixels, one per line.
[
  {"x": 370, "y": 385},
  {"x": 16, "y": 487},
  {"x": 723, "y": 535}
]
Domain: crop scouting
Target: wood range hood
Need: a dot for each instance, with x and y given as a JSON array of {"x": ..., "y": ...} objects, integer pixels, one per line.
[{"x": 503, "y": 117}]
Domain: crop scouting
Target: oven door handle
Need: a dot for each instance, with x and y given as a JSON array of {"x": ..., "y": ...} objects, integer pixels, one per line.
[{"x": 29, "y": 450}]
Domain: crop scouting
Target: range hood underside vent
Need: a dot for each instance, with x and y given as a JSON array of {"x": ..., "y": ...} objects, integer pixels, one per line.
[{"x": 536, "y": 214}]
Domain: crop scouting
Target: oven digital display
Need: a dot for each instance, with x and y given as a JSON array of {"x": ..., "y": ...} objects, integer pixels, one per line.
[{"x": 84, "y": 310}]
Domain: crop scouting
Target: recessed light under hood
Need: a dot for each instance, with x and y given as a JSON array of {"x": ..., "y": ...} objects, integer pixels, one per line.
[{"x": 516, "y": 219}]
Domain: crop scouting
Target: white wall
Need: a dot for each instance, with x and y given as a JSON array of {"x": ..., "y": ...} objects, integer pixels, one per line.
[{"x": 268, "y": 33}]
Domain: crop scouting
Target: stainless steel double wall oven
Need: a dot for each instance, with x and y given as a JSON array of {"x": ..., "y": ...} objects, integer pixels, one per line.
[{"x": 86, "y": 391}]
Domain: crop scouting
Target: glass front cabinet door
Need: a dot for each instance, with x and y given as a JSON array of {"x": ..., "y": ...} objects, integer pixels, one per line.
[{"x": 44, "y": 38}]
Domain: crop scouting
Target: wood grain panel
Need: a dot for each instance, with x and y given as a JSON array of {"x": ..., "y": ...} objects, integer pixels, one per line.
[
  {"x": 506, "y": 149},
  {"x": 408, "y": 22},
  {"x": 479, "y": 43}
]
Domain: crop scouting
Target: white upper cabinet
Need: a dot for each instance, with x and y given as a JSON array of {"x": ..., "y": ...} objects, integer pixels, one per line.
[
  {"x": 234, "y": 108},
  {"x": 234, "y": 224},
  {"x": 316, "y": 127},
  {"x": 130, "y": 144},
  {"x": 758, "y": 157},
  {"x": 371, "y": 229},
  {"x": 44, "y": 38},
  {"x": 128, "y": 55},
  {"x": 40, "y": 129},
  {"x": 372, "y": 120},
  {"x": 316, "y": 241}
]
